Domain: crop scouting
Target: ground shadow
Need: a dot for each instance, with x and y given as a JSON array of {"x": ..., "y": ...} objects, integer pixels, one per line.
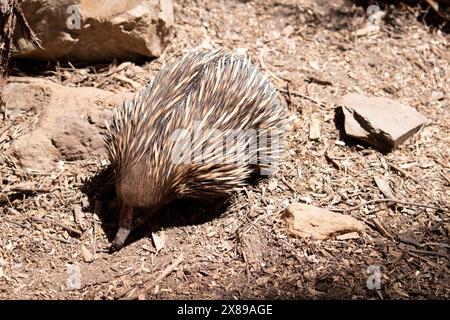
[
  {"x": 425, "y": 14},
  {"x": 27, "y": 67},
  {"x": 181, "y": 212},
  {"x": 342, "y": 17}
]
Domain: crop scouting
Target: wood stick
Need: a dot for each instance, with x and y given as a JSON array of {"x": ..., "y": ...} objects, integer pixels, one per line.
[
  {"x": 17, "y": 224},
  {"x": 77, "y": 215},
  {"x": 26, "y": 188},
  {"x": 163, "y": 274},
  {"x": 403, "y": 172},
  {"x": 287, "y": 184},
  {"x": 311, "y": 79},
  {"x": 399, "y": 202},
  {"x": 60, "y": 224},
  {"x": 445, "y": 177},
  {"x": 133, "y": 83},
  {"x": 332, "y": 160},
  {"x": 435, "y": 244},
  {"x": 25, "y": 171},
  {"x": 438, "y": 9},
  {"x": 301, "y": 95},
  {"x": 289, "y": 95},
  {"x": 381, "y": 228},
  {"x": 432, "y": 253},
  {"x": 97, "y": 211}
]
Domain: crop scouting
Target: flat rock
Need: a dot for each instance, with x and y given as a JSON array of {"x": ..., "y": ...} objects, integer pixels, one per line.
[
  {"x": 306, "y": 221},
  {"x": 380, "y": 122},
  {"x": 101, "y": 30},
  {"x": 69, "y": 121}
]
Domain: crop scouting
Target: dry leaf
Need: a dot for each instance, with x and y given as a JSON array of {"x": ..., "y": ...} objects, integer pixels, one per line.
[{"x": 159, "y": 240}]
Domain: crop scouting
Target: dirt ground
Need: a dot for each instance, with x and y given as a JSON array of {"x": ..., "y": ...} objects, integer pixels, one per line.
[{"x": 240, "y": 249}]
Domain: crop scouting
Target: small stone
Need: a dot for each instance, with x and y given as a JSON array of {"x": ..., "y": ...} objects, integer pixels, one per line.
[
  {"x": 306, "y": 221},
  {"x": 380, "y": 122}
]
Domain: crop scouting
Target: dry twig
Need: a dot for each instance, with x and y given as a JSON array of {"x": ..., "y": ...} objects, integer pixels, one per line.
[
  {"x": 60, "y": 224},
  {"x": 163, "y": 274},
  {"x": 301, "y": 95},
  {"x": 11, "y": 14},
  {"x": 403, "y": 172},
  {"x": 406, "y": 203}
]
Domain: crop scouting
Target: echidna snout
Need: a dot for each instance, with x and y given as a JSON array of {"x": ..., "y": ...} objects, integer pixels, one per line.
[
  {"x": 195, "y": 105},
  {"x": 125, "y": 218},
  {"x": 134, "y": 190}
]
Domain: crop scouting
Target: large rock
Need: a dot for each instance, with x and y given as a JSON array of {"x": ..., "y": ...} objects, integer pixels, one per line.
[
  {"x": 69, "y": 121},
  {"x": 380, "y": 122},
  {"x": 101, "y": 30},
  {"x": 307, "y": 221}
]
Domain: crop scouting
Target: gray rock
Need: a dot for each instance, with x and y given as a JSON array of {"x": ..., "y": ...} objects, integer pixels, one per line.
[
  {"x": 307, "y": 221},
  {"x": 101, "y": 30},
  {"x": 380, "y": 122}
]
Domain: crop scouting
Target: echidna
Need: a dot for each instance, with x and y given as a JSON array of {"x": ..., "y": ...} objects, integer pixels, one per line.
[{"x": 200, "y": 128}]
